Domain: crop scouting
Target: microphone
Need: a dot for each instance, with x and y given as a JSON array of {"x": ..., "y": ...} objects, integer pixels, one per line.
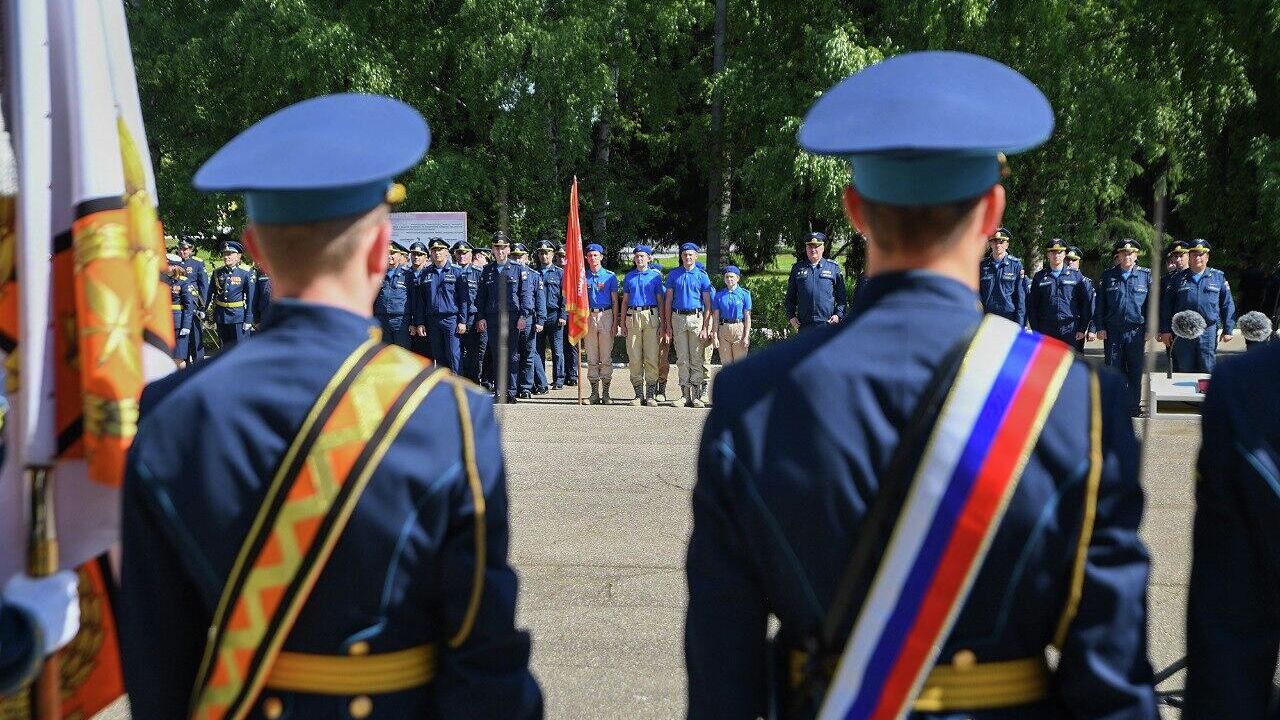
[
  {"x": 1255, "y": 326},
  {"x": 1189, "y": 325}
]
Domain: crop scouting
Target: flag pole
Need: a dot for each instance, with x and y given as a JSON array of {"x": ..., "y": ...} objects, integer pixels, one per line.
[
  {"x": 42, "y": 561},
  {"x": 577, "y": 359}
]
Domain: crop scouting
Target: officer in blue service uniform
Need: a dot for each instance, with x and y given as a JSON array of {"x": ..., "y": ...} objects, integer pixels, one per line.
[
  {"x": 1074, "y": 256},
  {"x": 529, "y": 336},
  {"x": 444, "y": 305},
  {"x": 572, "y": 353},
  {"x": 1058, "y": 304},
  {"x": 1001, "y": 284},
  {"x": 232, "y": 296},
  {"x": 815, "y": 289},
  {"x": 404, "y": 605},
  {"x": 789, "y": 470},
  {"x": 419, "y": 341},
  {"x": 470, "y": 344},
  {"x": 391, "y": 307},
  {"x": 261, "y": 292},
  {"x": 1206, "y": 291},
  {"x": 38, "y": 616},
  {"x": 1232, "y": 629},
  {"x": 520, "y": 309},
  {"x": 552, "y": 335},
  {"x": 183, "y": 300},
  {"x": 1121, "y": 316},
  {"x": 198, "y": 274}
]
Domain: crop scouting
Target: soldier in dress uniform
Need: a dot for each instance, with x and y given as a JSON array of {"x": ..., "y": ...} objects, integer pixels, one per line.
[
  {"x": 1058, "y": 304},
  {"x": 391, "y": 306},
  {"x": 232, "y": 296},
  {"x": 38, "y": 616},
  {"x": 471, "y": 344},
  {"x": 183, "y": 301},
  {"x": 1006, "y": 538},
  {"x": 1232, "y": 630},
  {"x": 333, "y": 542},
  {"x": 444, "y": 306},
  {"x": 197, "y": 273},
  {"x": 520, "y": 303},
  {"x": 1000, "y": 280},
  {"x": 1206, "y": 291},
  {"x": 1074, "y": 256},
  {"x": 261, "y": 293},
  {"x": 572, "y": 353},
  {"x": 529, "y": 336},
  {"x": 419, "y": 341},
  {"x": 1121, "y": 316},
  {"x": 481, "y": 258},
  {"x": 815, "y": 289},
  {"x": 552, "y": 335}
]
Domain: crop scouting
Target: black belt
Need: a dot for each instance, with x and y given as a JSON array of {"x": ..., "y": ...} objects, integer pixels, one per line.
[
  {"x": 689, "y": 312},
  {"x": 641, "y": 307},
  {"x": 730, "y": 322}
]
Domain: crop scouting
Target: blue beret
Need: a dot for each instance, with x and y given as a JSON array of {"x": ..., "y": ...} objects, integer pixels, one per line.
[
  {"x": 417, "y": 246},
  {"x": 733, "y": 269},
  {"x": 647, "y": 250},
  {"x": 594, "y": 247},
  {"x": 690, "y": 246},
  {"x": 462, "y": 246},
  {"x": 232, "y": 246},
  {"x": 519, "y": 249},
  {"x": 1199, "y": 245},
  {"x": 438, "y": 244},
  {"x": 927, "y": 128},
  {"x": 815, "y": 238},
  {"x": 319, "y": 159}
]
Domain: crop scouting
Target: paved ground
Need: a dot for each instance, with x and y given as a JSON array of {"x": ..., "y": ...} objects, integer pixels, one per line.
[{"x": 600, "y": 516}]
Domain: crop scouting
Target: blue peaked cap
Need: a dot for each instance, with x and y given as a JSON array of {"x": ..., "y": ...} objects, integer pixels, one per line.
[
  {"x": 928, "y": 128},
  {"x": 323, "y": 158}
]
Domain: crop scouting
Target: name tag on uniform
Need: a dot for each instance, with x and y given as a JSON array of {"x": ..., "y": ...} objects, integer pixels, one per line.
[
  {"x": 826, "y": 273},
  {"x": 1069, "y": 282},
  {"x": 1008, "y": 276}
]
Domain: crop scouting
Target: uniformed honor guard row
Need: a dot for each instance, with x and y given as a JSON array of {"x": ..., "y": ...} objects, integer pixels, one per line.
[{"x": 955, "y": 498}]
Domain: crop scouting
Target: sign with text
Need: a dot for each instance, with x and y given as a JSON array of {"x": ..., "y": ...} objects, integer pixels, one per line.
[{"x": 410, "y": 227}]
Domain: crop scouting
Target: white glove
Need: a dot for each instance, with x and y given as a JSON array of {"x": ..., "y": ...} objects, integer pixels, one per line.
[
  {"x": 54, "y": 603},
  {"x": 248, "y": 327},
  {"x": 184, "y": 331}
]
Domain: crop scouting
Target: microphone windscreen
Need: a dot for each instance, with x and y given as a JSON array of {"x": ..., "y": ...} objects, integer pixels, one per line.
[
  {"x": 1255, "y": 326},
  {"x": 1188, "y": 325}
]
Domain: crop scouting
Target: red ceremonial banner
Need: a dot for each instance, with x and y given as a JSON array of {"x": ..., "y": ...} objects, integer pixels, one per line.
[{"x": 574, "y": 285}]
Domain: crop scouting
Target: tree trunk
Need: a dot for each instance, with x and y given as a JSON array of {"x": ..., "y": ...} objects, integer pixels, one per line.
[
  {"x": 717, "y": 195},
  {"x": 600, "y": 163}
]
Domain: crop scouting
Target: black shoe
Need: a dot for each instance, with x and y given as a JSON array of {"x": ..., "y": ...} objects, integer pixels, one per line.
[
  {"x": 571, "y": 382},
  {"x": 525, "y": 395},
  {"x": 557, "y": 386},
  {"x": 541, "y": 391},
  {"x": 511, "y": 400}
]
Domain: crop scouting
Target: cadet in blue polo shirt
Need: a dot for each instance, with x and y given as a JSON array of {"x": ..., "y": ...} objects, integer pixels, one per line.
[
  {"x": 602, "y": 324},
  {"x": 444, "y": 305},
  {"x": 815, "y": 289},
  {"x": 391, "y": 306},
  {"x": 232, "y": 296},
  {"x": 1206, "y": 291},
  {"x": 1058, "y": 305},
  {"x": 520, "y": 303},
  {"x": 731, "y": 312},
  {"x": 552, "y": 335},
  {"x": 1001, "y": 286},
  {"x": 687, "y": 322},
  {"x": 1121, "y": 318},
  {"x": 841, "y": 558},
  {"x": 642, "y": 306}
]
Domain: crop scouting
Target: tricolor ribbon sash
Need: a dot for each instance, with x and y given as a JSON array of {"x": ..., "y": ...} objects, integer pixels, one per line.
[{"x": 991, "y": 421}]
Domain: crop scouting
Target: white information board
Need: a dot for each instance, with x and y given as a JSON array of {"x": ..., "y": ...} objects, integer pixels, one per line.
[{"x": 409, "y": 227}]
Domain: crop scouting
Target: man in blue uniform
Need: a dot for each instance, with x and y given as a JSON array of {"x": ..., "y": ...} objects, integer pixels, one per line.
[
  {"x": 419, "y": 339},
  {"x": 471, "y": 344},
  {"x": 391, "y": 306},
  {"x": 799, "y": 490},
  {"x": 480, "y": 258},
  {"x": 1001, "y": 285},
  {"x": 815, "y": 289},
  {"x": 1074, "y": 256},
  {"x": 1232, "y": 632},
  {"x": 520, "y": 305},
  {"x": 232, "y": 296},
  {"x": 1206, "y": 291},
  {"x": 1058, "y": 305},
  {"x": 528, "y": 338},
  {"x": 333, "y": 542},
  {"x": 572, "y": 353},
  {"x": 183, "y": 300},
  {"x": 198, "y": 274},
  {"x": 444, "y": 305},
  {"x": 1121, "y": 316},
  {"x": 38, "y": 616},
  {"x": 552, "y": 335}
]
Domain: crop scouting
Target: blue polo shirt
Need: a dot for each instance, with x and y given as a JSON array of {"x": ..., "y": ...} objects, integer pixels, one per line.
[
  {"x": 687, "y": 286},
  {"x": 600, "y": 288},
  {"x": 732, "y": 304},
  {"x": 642, "y": 288}
]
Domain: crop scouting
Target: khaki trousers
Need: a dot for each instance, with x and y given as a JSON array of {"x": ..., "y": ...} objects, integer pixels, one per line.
[
  {"x": 732, "y": 347},
  {"x": 642, "y": 345},
  {"x": 689, "y": 348},
  {"x": 599, "y": 342}
]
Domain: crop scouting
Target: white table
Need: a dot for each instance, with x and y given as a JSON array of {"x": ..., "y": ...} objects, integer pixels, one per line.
[{"x": 1181, "y": 388}]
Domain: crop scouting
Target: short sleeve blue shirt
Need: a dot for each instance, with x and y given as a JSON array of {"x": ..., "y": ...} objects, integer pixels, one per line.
[
  {"x": 687, "y": 286},
  {"x": 732, "y": 304},
  {"x": 642, "y": 288},
  {"x": 600, "y": 288}
]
